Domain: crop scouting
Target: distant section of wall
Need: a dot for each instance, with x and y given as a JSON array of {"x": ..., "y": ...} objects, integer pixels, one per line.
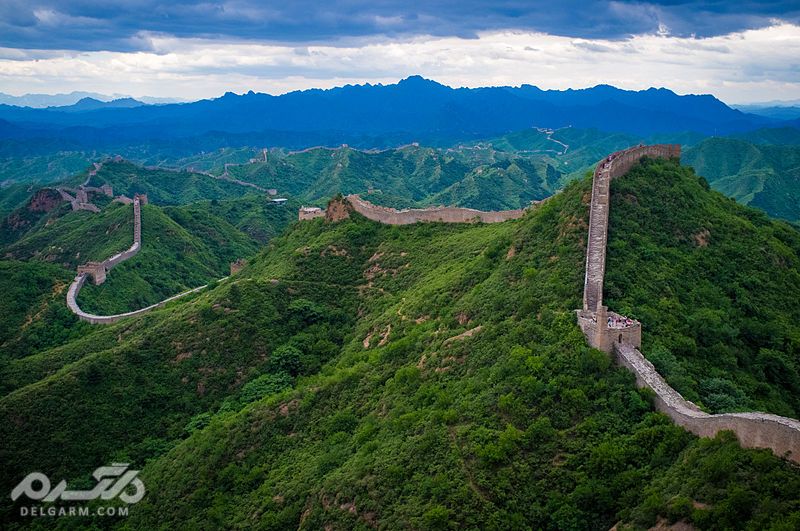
[
  {"x": 76, "y": 286},
  {"x": 98, "y": 271},
  {"x": 391, "y": 216},
  {"x": 753, "y": 429},
  {"x": 310, "y": 213}
]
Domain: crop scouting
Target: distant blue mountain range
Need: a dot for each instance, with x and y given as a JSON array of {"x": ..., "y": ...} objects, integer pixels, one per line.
[{"x": 415, "y": 109}]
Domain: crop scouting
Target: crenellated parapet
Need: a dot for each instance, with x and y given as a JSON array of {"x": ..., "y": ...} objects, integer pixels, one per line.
[
  {"x": 98, "y": 270},
  {"x": 622, "y": 336},
  {"x": 408, "y": 216}
]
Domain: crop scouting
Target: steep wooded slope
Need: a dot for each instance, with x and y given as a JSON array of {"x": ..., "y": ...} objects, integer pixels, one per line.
[{"x": 356, "y": 374}]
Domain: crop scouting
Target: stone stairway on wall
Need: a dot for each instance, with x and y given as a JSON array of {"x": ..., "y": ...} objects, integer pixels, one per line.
[
  {"x": 98, "y": 272},
  {"x": 753, "y": 429},
  {"x": 596, "y": 245}
]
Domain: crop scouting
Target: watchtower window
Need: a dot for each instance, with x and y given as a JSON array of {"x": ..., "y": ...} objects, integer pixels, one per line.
[{"x": 620, "y": 338}]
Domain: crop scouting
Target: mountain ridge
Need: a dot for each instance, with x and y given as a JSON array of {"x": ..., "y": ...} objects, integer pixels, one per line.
[{"x": 412, "y": 109}]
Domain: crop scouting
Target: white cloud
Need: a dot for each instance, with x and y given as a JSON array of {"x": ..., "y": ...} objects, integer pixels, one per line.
[{"x": 761, "y": 64}]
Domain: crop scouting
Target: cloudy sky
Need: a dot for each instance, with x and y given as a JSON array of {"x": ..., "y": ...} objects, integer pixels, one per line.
[{"x": 740, "y": 51}]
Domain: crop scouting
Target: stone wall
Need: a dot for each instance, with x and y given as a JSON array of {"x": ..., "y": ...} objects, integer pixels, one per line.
[
  {"x": 753, "y": 429},
  {"x": 76, "y": 286},
  {"x": 98, "y": 268},
  {"x": 310, "y": 213},
  {"x": 80, "y": 196},
  {"x": 613, "y": 166},
  {"x": 391, "y": 216}
]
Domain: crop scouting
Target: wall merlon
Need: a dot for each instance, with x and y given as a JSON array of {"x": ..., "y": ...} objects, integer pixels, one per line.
[
  {"x": 98, "y": 272},
  {"x": 623, "y": 338},
  {"x": 391, "y": 216}
]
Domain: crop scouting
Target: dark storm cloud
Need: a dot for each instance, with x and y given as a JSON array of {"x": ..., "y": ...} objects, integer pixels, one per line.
[{"x": 119, "y": 25}]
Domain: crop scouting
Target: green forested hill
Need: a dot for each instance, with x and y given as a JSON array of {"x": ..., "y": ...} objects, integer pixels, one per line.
[
  {"x": 430, "y": 376},
  {"x": 253, "y": 215},
  {"x": 764, "y": 176},
  {"x": 74, "y": 238},
  {"x": 176, "y": 255},
  {"x": 183, "y": 246},
  {"x": 714, "y": 283},
  {"x": 12, "y": 197},
  {"x": 782, "y": 136},
  {"x": 500, "y": 173},
  {"x": 18, "y": 167},
  {"x": 162, "y": 186},
  {"x": 35, "y": 316},
  {"x": 411, "y": 175}
]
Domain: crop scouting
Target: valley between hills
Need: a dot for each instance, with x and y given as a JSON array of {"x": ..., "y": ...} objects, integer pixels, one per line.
[{"x": 359, "y": 374}]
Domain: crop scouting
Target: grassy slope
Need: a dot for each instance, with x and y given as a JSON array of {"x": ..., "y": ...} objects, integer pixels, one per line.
[
  {"x": 337, "y": 396},
  {"x": 716, "y": 286},
  {"x": 35, "y": 316}
]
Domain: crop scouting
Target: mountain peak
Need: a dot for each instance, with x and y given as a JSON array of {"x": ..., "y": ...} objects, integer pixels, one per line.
[{"x": 419, "y": 81}]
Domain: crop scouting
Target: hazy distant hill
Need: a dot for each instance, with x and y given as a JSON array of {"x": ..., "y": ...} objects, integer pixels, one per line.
[
  {"x": 764, "y": 176},
  {"x": 415, "y": 109},
  {"x": 92, "y": 104},
  {"x": 40, "y": 101},
  {"x": 780, "y": 112}
]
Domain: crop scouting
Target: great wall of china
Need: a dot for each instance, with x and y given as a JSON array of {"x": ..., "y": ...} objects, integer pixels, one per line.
[
  {"x": 98, "y": 271},
  {"x": 622, "y": 337},
  {"x": 391, "y": 216},
  {"x": 79, "y": 199},
  {"x": 409, "y": 216},
  {"x": 604, "y": 330}
]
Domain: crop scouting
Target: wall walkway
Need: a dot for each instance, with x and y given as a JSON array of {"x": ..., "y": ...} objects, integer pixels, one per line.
[
  {"x": 102, "y": 267},
  {"x": 391, "y": 216},
  {"x": 623, "y": 337}
]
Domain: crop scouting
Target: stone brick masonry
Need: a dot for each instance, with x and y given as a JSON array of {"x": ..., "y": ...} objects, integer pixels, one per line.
[
  {"x": 98, "y": 272},
  {"x": 753, "y": 429},
  {"x": 392, "y": 216}
]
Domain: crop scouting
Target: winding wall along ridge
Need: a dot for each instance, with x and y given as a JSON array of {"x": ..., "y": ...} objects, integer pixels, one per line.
[
  {"x": 391, "y": 216},
  {"x": 752, "y": 429},
  {"x": 102, "y": 267}
]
